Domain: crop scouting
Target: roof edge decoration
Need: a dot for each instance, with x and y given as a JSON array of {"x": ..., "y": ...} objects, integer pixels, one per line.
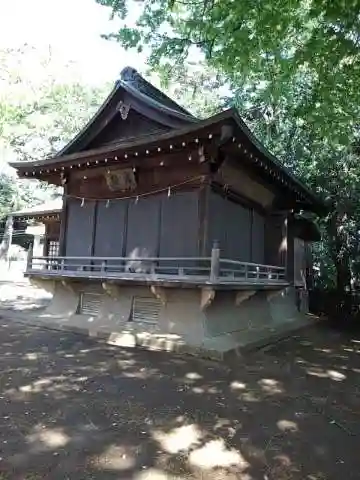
[{"x": 133, "y": 82}]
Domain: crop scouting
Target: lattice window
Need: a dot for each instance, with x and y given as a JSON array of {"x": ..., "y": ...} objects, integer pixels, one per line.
[
  {"x": 89, "y": 303},
  {"x": 53, "y": 248},
  {"x": 145, "y": 310}
]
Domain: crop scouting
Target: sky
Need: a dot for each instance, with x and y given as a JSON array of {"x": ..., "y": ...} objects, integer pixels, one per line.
[
  {"x": 69, "y": 31},
  {"x": 72, "y": 29}
]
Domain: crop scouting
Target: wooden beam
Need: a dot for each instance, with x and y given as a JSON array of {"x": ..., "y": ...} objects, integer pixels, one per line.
[
  {"x": 243, "y": 295},
  {"x": 96, "y": 187},
  {"x": 229, "y": 193},
  {"x": 159, "y": 293},
  {"x": 207, "y": 297},
  {"x": 111, "y": 289}
]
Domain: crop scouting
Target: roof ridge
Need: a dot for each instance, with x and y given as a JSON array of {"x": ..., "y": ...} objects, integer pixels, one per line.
[{"x": 134, "y": 79}]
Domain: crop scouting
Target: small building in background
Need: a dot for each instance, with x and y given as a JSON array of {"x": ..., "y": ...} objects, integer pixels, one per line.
[
  {"x": 43, "y": 225},
  {"x": 174, "y": 232}
]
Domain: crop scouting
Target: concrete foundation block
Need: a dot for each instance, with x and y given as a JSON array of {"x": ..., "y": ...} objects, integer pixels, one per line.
[
  {"x": 219, "y": 332},
  {"x": 123, "y": 339}
]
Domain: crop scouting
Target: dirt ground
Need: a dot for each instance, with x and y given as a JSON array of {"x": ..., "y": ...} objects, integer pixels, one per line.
[{"x": 71, "y": 408}]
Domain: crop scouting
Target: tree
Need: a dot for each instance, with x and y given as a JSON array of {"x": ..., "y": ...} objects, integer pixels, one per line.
[
  {"x": 263, "y": 47},
  {"x": 197, "y": 87},
  {"x": 331, "y": 169},
  {"x": 39, "y": 113},
  {"x": 7, "y": 238}
]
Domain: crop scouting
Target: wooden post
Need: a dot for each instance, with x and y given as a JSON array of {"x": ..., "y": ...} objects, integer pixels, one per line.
[
  {"x": 63, "y": 224},
  {"x": 29, "y": 258},
  {"x": 215, "y": 262},
  {"x": 289, "y": 257}
]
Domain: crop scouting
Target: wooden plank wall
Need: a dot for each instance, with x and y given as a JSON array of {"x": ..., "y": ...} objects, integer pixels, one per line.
[
  {"x": 158, "y": 225},
  {"x": 239, "y": 230}
]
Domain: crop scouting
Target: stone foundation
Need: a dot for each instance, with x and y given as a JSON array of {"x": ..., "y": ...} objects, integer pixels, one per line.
[{"x": 195, "y": 320}]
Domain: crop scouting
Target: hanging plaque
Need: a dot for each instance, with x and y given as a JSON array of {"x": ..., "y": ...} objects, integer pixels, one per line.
[{"x": 121, "y": 180}]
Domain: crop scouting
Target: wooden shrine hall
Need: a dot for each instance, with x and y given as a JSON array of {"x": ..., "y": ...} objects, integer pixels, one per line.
[{"x": 175, "y": 232}]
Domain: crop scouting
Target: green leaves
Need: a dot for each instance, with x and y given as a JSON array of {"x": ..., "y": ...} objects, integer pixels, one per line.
[
  {"x": 271, "y": 42},
  {"x": 38, "y": 115}
]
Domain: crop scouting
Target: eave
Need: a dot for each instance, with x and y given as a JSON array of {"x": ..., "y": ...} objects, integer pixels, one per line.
[
  {"x": 47, "y": 211},
  {"x": 150, "y": 143},
  {"x": 204, "y": 132},
  {"x": 42, "y": 218}
]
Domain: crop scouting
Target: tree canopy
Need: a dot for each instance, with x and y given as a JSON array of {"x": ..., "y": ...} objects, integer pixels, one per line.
[
  {"x": 39, "y": 113},
  {"x": 41, "y": 108},
  {"x": 263, "y": 47}
]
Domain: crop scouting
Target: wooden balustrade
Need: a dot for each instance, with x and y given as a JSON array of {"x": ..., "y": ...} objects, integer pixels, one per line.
[{"x": 208, "y": 270}]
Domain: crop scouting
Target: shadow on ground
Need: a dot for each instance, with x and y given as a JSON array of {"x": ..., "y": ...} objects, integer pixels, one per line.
[
  {"x": 22, "y": 296},
  {"x": 74, "y": 409}
]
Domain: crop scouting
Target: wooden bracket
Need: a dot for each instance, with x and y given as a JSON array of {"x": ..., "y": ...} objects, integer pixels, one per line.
[
  {"x": 207, "y": 297},
  {"x": 66, "y": 284},
  {"x": 273, "y": 293},
  {"x": 243, "y": 295},
  {"x": 110, "y": 289},
  {"x": 159, "y": 293},
  {"x": 46, "y": 284}
]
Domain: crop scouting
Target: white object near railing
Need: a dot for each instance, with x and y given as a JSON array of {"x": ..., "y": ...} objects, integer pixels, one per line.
[{"x": 210, "y": 270}]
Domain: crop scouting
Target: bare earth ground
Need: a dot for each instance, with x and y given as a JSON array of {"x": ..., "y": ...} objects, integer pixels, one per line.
[{"x": 71, "y": 408}]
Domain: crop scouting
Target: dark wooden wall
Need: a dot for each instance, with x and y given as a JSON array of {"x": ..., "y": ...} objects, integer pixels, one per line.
[
  {"x": 52, "y": 230},
  {"x": 180, "y": 225},
  {"x": 149, "y": 177},
  {"x": 117, "y": 130},
  {"x": 239, "y": 229},
  {"x": 80, "y": 229},
  {"x": 257, "y": 237},
  {"x": 275, "y": 239},
  {"x": 186, "y": 223},
  {"x": 165, "y": 226},
  {"x": 110, "y": 229},
  {"x": 158, "y": 225}
]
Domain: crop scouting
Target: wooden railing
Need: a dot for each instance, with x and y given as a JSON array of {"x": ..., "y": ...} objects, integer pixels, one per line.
[{"x": 187, "y": 269}]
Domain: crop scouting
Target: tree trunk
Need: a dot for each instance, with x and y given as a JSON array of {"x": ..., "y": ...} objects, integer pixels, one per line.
[
  {"x": 7, "y": 239},
  {"x": 340, "y": 257},
  {"x": 343, "y": 276},
  {"x": 339, "y": 253}
]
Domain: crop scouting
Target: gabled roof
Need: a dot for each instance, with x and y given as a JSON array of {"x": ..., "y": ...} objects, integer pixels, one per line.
[
  {"x": 142, "y": 97},
  {"x": 47, "y": 208},
  {"x": 179, "y": 130}
]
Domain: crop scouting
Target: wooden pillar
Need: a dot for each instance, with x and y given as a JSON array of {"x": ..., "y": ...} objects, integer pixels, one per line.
[
  {"x": 46, "y": 240},
  {"x": 63, "y": 224},
  {"x": 309, "y": 271},
  {"x": 215, "y": 262},
  {"x": 290, "y": 258},
  {"x": 203, "y": 222}
]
